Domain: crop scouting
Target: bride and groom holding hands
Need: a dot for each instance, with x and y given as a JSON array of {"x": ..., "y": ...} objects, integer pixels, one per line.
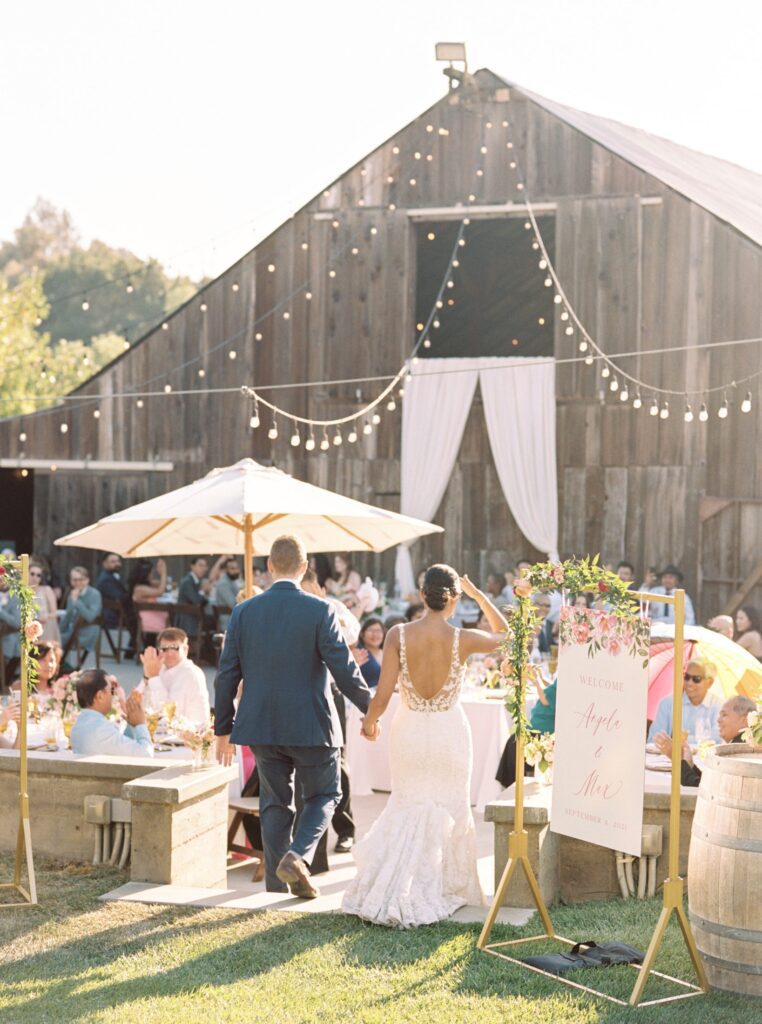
[{"x": 417, "y": 864}]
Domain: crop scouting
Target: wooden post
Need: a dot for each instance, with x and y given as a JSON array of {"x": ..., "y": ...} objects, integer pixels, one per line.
[
  {"x": 24, "y": 840},
  {"x": 248, "y": 548}
]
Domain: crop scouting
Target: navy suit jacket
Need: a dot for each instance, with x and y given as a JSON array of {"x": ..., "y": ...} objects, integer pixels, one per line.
[{"x": 282, "y": 644}]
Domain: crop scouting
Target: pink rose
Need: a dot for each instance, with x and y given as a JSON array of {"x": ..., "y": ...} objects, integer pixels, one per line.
[
  {"x": 581, "y": 632},
  {"x": 522, "y": 587},
  {"x": 506, "y": 667},
  {"x": 614, "y": 646},
  {"x": 33, "y": 631},
  {"x": 558, "y": 573}
]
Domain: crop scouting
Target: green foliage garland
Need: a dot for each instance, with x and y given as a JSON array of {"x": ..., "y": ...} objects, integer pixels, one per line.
[{"x": 28, "y": 611}]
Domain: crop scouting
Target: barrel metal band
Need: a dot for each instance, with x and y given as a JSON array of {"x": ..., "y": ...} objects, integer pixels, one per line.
[
  {"x": 729, "y": 842},
  {"x": 725, "y": 930},
  {"x": 738, "y": 805},
  {"x": 726, "y": 965}
]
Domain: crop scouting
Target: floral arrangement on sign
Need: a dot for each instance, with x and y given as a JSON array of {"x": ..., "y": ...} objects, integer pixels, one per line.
[
  {"x": 539, "y": 750},
  {"x": 576, "y": 576},
  {"x": 604, "y": 631},
  {"x": 31, "y": 630}
]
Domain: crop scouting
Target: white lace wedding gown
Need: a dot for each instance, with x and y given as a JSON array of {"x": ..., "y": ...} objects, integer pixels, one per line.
[{"x": 417, "y": 864}]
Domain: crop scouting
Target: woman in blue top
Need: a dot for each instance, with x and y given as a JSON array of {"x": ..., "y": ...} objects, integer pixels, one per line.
[{"x": 371, "y": 639}]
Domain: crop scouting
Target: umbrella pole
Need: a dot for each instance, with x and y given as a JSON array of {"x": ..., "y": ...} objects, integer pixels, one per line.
[{"x": 248, "y": 549}]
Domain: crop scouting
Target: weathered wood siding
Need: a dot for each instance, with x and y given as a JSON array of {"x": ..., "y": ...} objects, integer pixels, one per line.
[{"x": 640, "y": 276}]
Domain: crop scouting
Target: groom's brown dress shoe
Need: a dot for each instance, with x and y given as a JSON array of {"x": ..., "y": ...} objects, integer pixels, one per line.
[{"x": 293, "y": 871}]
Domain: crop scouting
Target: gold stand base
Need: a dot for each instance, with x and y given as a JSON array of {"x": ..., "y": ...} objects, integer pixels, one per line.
[
  {"x": 23, "y": 847},
  {"x": 673, "y": 900}
]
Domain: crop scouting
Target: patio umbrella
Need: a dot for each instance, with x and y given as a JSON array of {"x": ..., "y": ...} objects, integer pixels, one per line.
[
  {"x": 242, "y": 509},
  {"x": 738, "y": 672}
]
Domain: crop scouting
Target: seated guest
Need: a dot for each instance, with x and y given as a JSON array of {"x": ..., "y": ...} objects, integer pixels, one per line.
[
  {"x": 542, "y": 719},
  {"x": 541, "y": 605},
  {"x": 732, "y": 720},
  {"x": 650, "y": 580},
  {"x": 146, "y": 585},
  {"x": 321, "y": 566},
  {"x": 394, "y": 620},
  {"x": 671, "y": 578},
  {"x": 498, "y": 590},
  {"x": 48, "y": 659},
  {"x": 10, "y": 716},
  {"x": 113, "y": 588},
  {"x": 749, "y": 630},
  {"x": 626, "y": 572},
  {"x": 194, "y": 589},
  {"x": 700, "y": 708},
  {"x": 229, "y": 586},
  {"x": 722, "y": 624},
  {"x": 94, "y": 734},
  {"x": 83, "y": 606},
  {"x": 10, "y": 615},
  {"x": 346, "y": 583},
  {"x": 169, "y": 676},
  {"x": 46, "y": 603},
  {"x": 414, "y": 612},
  {"x": 372, "y": 636}
]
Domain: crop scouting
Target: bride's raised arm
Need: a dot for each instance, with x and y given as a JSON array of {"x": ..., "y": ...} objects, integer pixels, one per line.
[
  {"x": 479, "y": 641},
  {"x": 390, "y": 670}
]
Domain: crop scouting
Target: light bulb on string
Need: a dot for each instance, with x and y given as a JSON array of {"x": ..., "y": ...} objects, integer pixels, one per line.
[
  {"x": 140, "y": 403},
  {"x": 565, "y": 314},
  {"x": 542, "y": 264},
  {"x": 427, "y": 342},
  {"x": 234, "y": 286},
  {"x": 722, "y": 412},
  {"x": 654, "y": 410},
  {"x": 589, "y": 360},
  {"x": 535, "y": 246},
  {"x": 309, "y": 444},
  {"x": 391, "y": 405},
  {"x": 375, "y": 419},
  {"x": 130, "y": 288},
  {"x": 85, "y": 305},
  {"x": 548, "y": 282},
  {"x": 688, "y": 414},
  {"x": 167, "y": 389},
  {"x": 203, "y": 307},
  {"x": 202, "y": 372},
  {"x": 254, "y": 421},
  {"x": 232, "y": 354},
  {"x": 703, "y": 413},
  {"x": 325, "y": 444},
  {"x": 22, "y": 437},
  {"x": 64, "y": 428},
  {"x": 582, "y": 345},
  {"x": 352, "y": 436},
  {"x": 165, "y": 326},
  {"x": 436, "y": 323},
  {"x": 557, "y": 299},
  {"x": 613, "y": 384},
  {"x": 337, "y": 438},
  {"x": 286, "y": 315},
  {"x": 295, "y": 440},
  {"x": 746, "y": 404},
  {"x": 664, "y": 412},
  {"x": 569, "y": 331},
  {"x": 605, "y": 372},
  {"x": 624, "y": 394},
  {"x": 272, "y": 433},
  {"x": 637, "y": 401},
  {"x": 367, "y": 429},
  {"x": 258, "y": 336}
]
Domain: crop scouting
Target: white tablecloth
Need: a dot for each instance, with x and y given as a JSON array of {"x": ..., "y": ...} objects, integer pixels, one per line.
[{"x": 490, "y": 728}]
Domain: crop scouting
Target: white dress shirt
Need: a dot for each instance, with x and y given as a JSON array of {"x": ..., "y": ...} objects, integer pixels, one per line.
[
  {"x": 94, "y": 734},
  {"x": 185, "y": 686}
]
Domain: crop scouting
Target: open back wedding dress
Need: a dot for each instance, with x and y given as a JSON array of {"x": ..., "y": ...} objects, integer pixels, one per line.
[{"x": 417, "y": 864}]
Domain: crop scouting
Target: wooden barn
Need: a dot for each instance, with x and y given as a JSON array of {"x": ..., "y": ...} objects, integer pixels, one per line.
[{"x": 655, "y": 250}]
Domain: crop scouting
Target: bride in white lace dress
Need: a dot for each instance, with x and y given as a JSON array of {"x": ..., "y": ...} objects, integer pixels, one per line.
[{"x": 417, "y": 864}]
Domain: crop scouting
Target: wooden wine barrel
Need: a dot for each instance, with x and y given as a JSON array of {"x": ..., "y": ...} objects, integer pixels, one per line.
[{"x": 725, "y": 869}]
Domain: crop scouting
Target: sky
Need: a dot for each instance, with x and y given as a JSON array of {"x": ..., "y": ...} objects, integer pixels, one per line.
[{"x": 186, "y": 131}]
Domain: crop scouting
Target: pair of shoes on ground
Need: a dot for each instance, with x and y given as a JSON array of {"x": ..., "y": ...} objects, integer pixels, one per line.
[
  {"x": 344, "y": 844},
  {"x": 293, "y": 871}
]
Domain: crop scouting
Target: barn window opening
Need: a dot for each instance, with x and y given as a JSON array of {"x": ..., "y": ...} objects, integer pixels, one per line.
[{"x": 498, "y": 304}]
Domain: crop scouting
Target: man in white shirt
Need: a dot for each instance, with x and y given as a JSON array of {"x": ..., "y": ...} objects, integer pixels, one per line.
[
  {"x": 94, "y": 734},
  {"x": 169, "y": 676},
  {"x": 671, "y": 579}
]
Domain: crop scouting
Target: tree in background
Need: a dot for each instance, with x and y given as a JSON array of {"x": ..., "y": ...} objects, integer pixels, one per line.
[{"x": 66, "y": 311}]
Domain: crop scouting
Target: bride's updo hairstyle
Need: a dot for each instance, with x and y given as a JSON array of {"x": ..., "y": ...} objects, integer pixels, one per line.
[{"x": 440, "y": 583}]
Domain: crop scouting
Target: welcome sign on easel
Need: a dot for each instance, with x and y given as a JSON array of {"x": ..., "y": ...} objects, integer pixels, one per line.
[{"x": 599, "y": 766}]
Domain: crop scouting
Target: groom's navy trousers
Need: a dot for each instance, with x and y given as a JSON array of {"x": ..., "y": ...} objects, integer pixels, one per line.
[{"x": 282, "y": 644}]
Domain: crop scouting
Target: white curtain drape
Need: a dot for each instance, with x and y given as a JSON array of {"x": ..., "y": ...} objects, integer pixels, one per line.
[
  {"x": 434, "y": 415},
  {"x": 520, "y": 410}
]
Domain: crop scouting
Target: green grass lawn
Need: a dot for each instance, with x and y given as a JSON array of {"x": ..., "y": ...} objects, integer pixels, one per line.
[{"x": 74, "y": 958}]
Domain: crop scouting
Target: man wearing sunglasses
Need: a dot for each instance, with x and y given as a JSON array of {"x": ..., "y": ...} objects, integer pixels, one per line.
[
  {"x": 700, "y": 707},
  {"x": 169, "y": 676}
]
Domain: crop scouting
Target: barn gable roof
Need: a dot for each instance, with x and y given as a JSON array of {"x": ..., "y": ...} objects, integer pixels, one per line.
[{"x": 730, "y": 192}]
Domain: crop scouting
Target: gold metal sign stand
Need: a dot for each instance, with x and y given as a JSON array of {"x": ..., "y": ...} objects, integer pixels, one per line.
[
  {"x": 673, "y": 885},
  {"x": 24, "y": 840}
]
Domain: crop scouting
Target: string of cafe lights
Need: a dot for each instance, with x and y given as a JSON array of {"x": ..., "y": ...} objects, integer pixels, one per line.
[
  {"x": 232, "y": 354},
  {"x": 620, "y": 381}
]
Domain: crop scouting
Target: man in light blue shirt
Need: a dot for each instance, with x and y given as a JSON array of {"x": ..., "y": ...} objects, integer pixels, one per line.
[
  {"x": 94, "y": 734},
  {"x": 671, "y": 578},
  {"x": 700, "y": 708}
]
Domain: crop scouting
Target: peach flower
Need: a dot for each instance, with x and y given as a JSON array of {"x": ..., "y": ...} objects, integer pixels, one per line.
[{"x": 33, "y": 631}]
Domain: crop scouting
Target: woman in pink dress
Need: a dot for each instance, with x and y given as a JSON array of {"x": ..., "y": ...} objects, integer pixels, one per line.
[{"x": 46, "y": 603}]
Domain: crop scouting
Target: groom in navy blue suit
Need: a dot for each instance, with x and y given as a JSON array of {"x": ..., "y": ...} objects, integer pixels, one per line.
[{"x": 282, "y": 644}]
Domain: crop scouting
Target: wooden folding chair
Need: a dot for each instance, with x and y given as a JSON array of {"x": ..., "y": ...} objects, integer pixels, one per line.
[
  {"x": 242, "y": 807},
  {"x": 109, "y": 604},
  {"x": 82, "y": 652},
  {"x": 193, "y": 611}
]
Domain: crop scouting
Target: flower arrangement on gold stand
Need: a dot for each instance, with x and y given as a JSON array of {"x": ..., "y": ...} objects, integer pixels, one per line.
[
  {"x": 538, "y": 751},
  {"x": 752, "y": 734}
]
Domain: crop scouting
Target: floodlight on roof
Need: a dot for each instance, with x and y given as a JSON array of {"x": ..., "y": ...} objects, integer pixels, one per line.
[{"x": 451, "y": 52}]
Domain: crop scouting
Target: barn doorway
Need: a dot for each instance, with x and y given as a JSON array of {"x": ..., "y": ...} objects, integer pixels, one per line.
[
  {"x": 499, "y": 305},
  {"x": 17, "y": 510}
]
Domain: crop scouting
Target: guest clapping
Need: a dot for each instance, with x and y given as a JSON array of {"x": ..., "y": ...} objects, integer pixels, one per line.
[
  {"x": 83, "y": 606},
  {"x": 10, "y": 716},
  {"x": 732, "y": 719},
  {"x": 169, "y": 676},
  {"x": 94, "y": 734}
]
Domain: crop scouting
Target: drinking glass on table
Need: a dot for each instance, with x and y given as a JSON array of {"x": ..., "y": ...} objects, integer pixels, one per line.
[
  {"x": 68, "y": 725},
  {"x": 170, "y": 709}
]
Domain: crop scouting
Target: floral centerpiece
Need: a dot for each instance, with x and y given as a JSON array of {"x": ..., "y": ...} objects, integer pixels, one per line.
[
  {"x": 200, "y": 739},
  {"x": 753, "y": 731},
  {"x": 538, "y": 751},
  {"x": 63, "y": 699}
]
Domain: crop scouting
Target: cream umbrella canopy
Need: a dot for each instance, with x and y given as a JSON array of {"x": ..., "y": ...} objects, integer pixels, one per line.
[{"x": 242, "y": 509}]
